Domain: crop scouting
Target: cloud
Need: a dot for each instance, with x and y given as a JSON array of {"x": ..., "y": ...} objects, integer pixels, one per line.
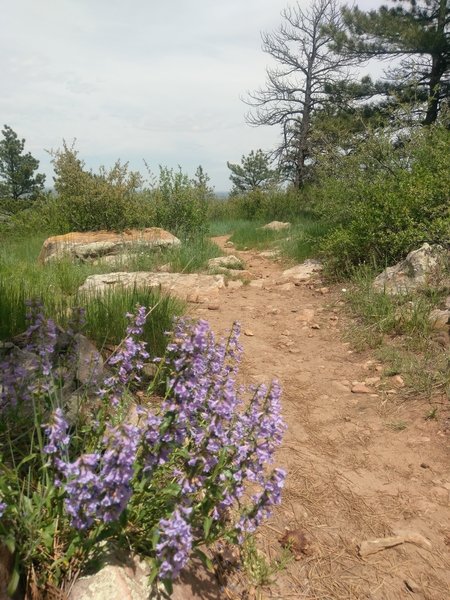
[{"x": 144, "y": 79}]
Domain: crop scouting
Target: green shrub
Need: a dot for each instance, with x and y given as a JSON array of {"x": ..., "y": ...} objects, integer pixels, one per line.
[
  {"x": 385, "y": 201},
  {"x": 90, "y": 201},
  {"x": 181, "y": 203}
]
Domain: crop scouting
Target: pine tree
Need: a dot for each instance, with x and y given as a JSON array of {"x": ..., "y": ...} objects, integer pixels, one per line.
[
  {"x": 17, "y": 170},
  {"x": 253, "y": 173},
  {"x": 415, "y": 31}
]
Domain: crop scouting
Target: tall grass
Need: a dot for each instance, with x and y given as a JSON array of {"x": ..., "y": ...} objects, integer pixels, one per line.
[
  {"x": 400, "y": 329},
  {"x": 57, "y": 283}
]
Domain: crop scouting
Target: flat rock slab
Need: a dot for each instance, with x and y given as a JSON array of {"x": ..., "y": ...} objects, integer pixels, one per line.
[
  {"x": 94, "y": 244},
  {"x": 302, "y": 272},
  {"x": 192, "y": 287}
]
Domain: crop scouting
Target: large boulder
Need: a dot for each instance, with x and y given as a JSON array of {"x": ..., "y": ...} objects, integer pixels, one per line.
[
  {"x": 427, "y": 266},
  {"x": 95, "y": 244},
  {"x": 192, "y": 287}
]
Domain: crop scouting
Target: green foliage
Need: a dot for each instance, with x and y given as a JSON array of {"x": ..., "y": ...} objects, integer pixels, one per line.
[
  {"x": 17, "y": 170},
  {"x": 399, "y": 328},
  {"x": 384, "y": 200},
  {"x": 260, "y": 570},
  {"x": 416, "y": 32},
  {"x": 56, "y": 283},
  {"x": 254, "y": 173},
  {"x": 88, "y": 201},
  {"x": 181, "y": 203}
]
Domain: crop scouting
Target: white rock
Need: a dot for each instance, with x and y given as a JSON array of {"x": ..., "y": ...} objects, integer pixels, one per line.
[
  {"x": 94, "y": 244},
  {"x": 302, "y": 272},
  {"x": 439, "y": 319},
  {"x": 422, "y": 267},
  {"x": 192, "y": 287},
  {"x": 229, "y": 262},
  {"x": 276, "y": 226}
]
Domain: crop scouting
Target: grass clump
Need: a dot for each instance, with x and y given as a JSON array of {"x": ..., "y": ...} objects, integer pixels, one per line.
[{"x": 399, "y": 328}]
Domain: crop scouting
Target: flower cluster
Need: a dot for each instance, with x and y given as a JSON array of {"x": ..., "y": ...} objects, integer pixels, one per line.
[
  {"x": 207, "y": 441},
  {"x": 26, "y": 375},
  {"x": 41, "y": 337},
  {"x": 175, "y": 543},
  {"x": 127, "y": 360}
]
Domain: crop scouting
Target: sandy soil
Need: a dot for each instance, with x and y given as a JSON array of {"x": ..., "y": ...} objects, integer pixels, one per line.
[{"x": 353, "y": 473}]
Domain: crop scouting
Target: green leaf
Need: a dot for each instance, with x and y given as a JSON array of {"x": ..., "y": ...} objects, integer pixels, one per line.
[
  {"x": 13, "y": 582},
  {"x": 168, "y": 585},
  {"x": 207, "y": 525},
  {"x": 205, "y": 559},
  {"x": 10, "y": 543},
  {"x": 153, "y": 573}
]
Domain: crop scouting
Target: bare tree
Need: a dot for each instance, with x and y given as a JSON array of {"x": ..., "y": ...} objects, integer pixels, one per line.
[{"x": 295, "y": 88}]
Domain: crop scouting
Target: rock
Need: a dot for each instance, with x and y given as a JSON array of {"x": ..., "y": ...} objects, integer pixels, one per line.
[
  {"x": 249, "y": 333},
  {"x": 302, "y": 272},
  {"x": 125, "y": 579},
  {"x": 447, "y": 302},
  {"x": 398, "y": 381},
  {"x": 339, "y": 386},
  {"x": 91, "y": 245},
  {"x": 234, "y": 284},
  {"x": 228, "y": 244},
  {"x": 276, "y": 226},
  {"x": 412, "y": 586},
  {"x": 287, "y": 287},
  {"x": 270, "y": 254},
  {"x": 242, "y": 274},
  {"x": 315, "y": 326},
  {"x": 439, "y": 319},
  {"x": 192, "y": 287},
  {"x": 257, "y": 283},
  {"x": 426, "y": 266},
  {"x": 372, "y": 380},
  {"x": 213, "y": 306},
  {"x": 360, "y": 388},
  {"x": 373, "y": 546},
  {"x": 324, "y": 290},
  {"x": 88, "y": 361},
  {"x": 229, "y": 262}
]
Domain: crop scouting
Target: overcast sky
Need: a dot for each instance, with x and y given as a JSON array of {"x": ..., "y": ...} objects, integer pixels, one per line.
[{"x": 159, "y": 80}]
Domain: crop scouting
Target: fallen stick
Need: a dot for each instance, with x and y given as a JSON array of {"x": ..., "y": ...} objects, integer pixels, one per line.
[{"x": 368, "y": 547}]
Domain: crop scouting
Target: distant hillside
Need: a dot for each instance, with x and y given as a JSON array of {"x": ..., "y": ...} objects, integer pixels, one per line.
[{"x": 221, "y": 195}]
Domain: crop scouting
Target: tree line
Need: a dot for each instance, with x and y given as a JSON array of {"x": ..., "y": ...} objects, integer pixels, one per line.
[{"x": 313, "y": 95}]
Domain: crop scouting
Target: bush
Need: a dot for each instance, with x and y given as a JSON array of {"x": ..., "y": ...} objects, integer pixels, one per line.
[
  {"x": 181, "y": 204},
  {"x": 88, "y": 202},
  {"x": 385, "y": 201},
  {"x": 165, "y": 487}
]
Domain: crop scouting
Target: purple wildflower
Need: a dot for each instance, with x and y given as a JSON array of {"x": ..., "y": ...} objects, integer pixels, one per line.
[
  {"x": 127, "y": 361},
  {"x": 3, "y": 507},
  {"x": 99, "y": 485},
  {"x": 56, "y": 432},
  {"x": 175, "y": 544},
  {"x": 41, "y": 336}
]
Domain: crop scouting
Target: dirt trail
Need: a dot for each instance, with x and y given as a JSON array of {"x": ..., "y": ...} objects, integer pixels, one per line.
[{"x": 353, "y": 473}]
